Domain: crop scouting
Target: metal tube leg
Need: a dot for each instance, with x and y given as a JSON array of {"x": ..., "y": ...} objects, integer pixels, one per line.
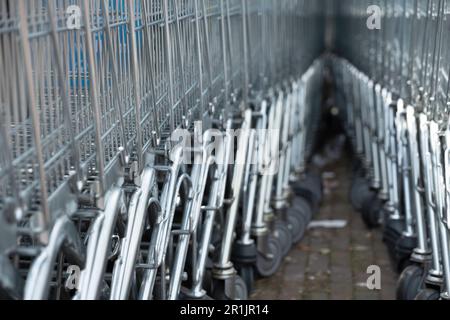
[{"x": 224, "y": 267}]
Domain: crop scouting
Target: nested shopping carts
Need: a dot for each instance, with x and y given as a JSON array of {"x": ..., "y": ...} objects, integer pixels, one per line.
[
  {"x": 153, "y": 149},
  {"x": 393, "y": 91}
]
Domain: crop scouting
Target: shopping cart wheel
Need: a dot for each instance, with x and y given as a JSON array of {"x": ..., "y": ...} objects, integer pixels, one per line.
[
  {"x": 301, "y": 205},
  {"x": 297, "y": 221},
  {"x": 403, "y": 250},
  {"x": 233, "y": 288},
  {"x": 359, "y": 192},
  {"x": 240, "y": 289},
  {"x": 283, "y": 234},
  {"x": 310, "y": 188},
  {"x": 428, "y": 294},
  {"x": 248, "y": 276},
  {"x": 244, "y": 258},
  {"x": 371, "y": 211},
  {"x": 392, "y": 231},
  {"x": 267, "y": 263},
  {"x": 409, "y": 283}
]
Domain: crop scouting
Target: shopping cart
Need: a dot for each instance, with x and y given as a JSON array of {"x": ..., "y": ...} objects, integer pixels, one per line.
[
  {"x": 110, "y": 188},
  {"x": 409, "y": 104}
]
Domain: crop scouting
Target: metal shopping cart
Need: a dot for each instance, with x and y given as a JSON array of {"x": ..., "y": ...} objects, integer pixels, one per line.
[{"x": 118, "y": 123}]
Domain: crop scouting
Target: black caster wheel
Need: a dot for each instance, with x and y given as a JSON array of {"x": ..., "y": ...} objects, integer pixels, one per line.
[
  {"x": 233, "y": 288},
  {"x": 410, "y": 282},
  {"x": 297, "y": 223},
  {"x": 359, "y": 192},
  {"x": 301, "y": 205},
  {"x": 428, "y": 294},
  {"x": 247, "y": 275},
  {"x": 268, "y": 263},
  {"x": 371, "y": 211},
  {"x": 403, "y": 249},
  {"x": 240, "y": 289},
  {"x": 310, "y": 188},
  {"x": 392, "y": 231},
  {"x": 283, "y": 234},
  {"x": 316, "y": 184},
  {"x": 244, "y": 258}
]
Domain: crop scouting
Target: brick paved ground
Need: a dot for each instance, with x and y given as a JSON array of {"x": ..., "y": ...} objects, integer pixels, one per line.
[{"x": 332, "y": 263}]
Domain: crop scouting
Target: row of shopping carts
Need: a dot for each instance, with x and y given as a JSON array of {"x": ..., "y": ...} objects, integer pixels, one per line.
[
  {"x": 393, "y": 90},
  {"x": 153, "y": 149}
]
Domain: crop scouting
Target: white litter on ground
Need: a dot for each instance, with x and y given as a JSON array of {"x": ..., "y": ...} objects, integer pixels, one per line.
[{"x": 328, "y": 224}]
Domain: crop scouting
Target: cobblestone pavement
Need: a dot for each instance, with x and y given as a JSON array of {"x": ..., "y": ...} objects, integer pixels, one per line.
[{"x": 332, "y": 263}]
